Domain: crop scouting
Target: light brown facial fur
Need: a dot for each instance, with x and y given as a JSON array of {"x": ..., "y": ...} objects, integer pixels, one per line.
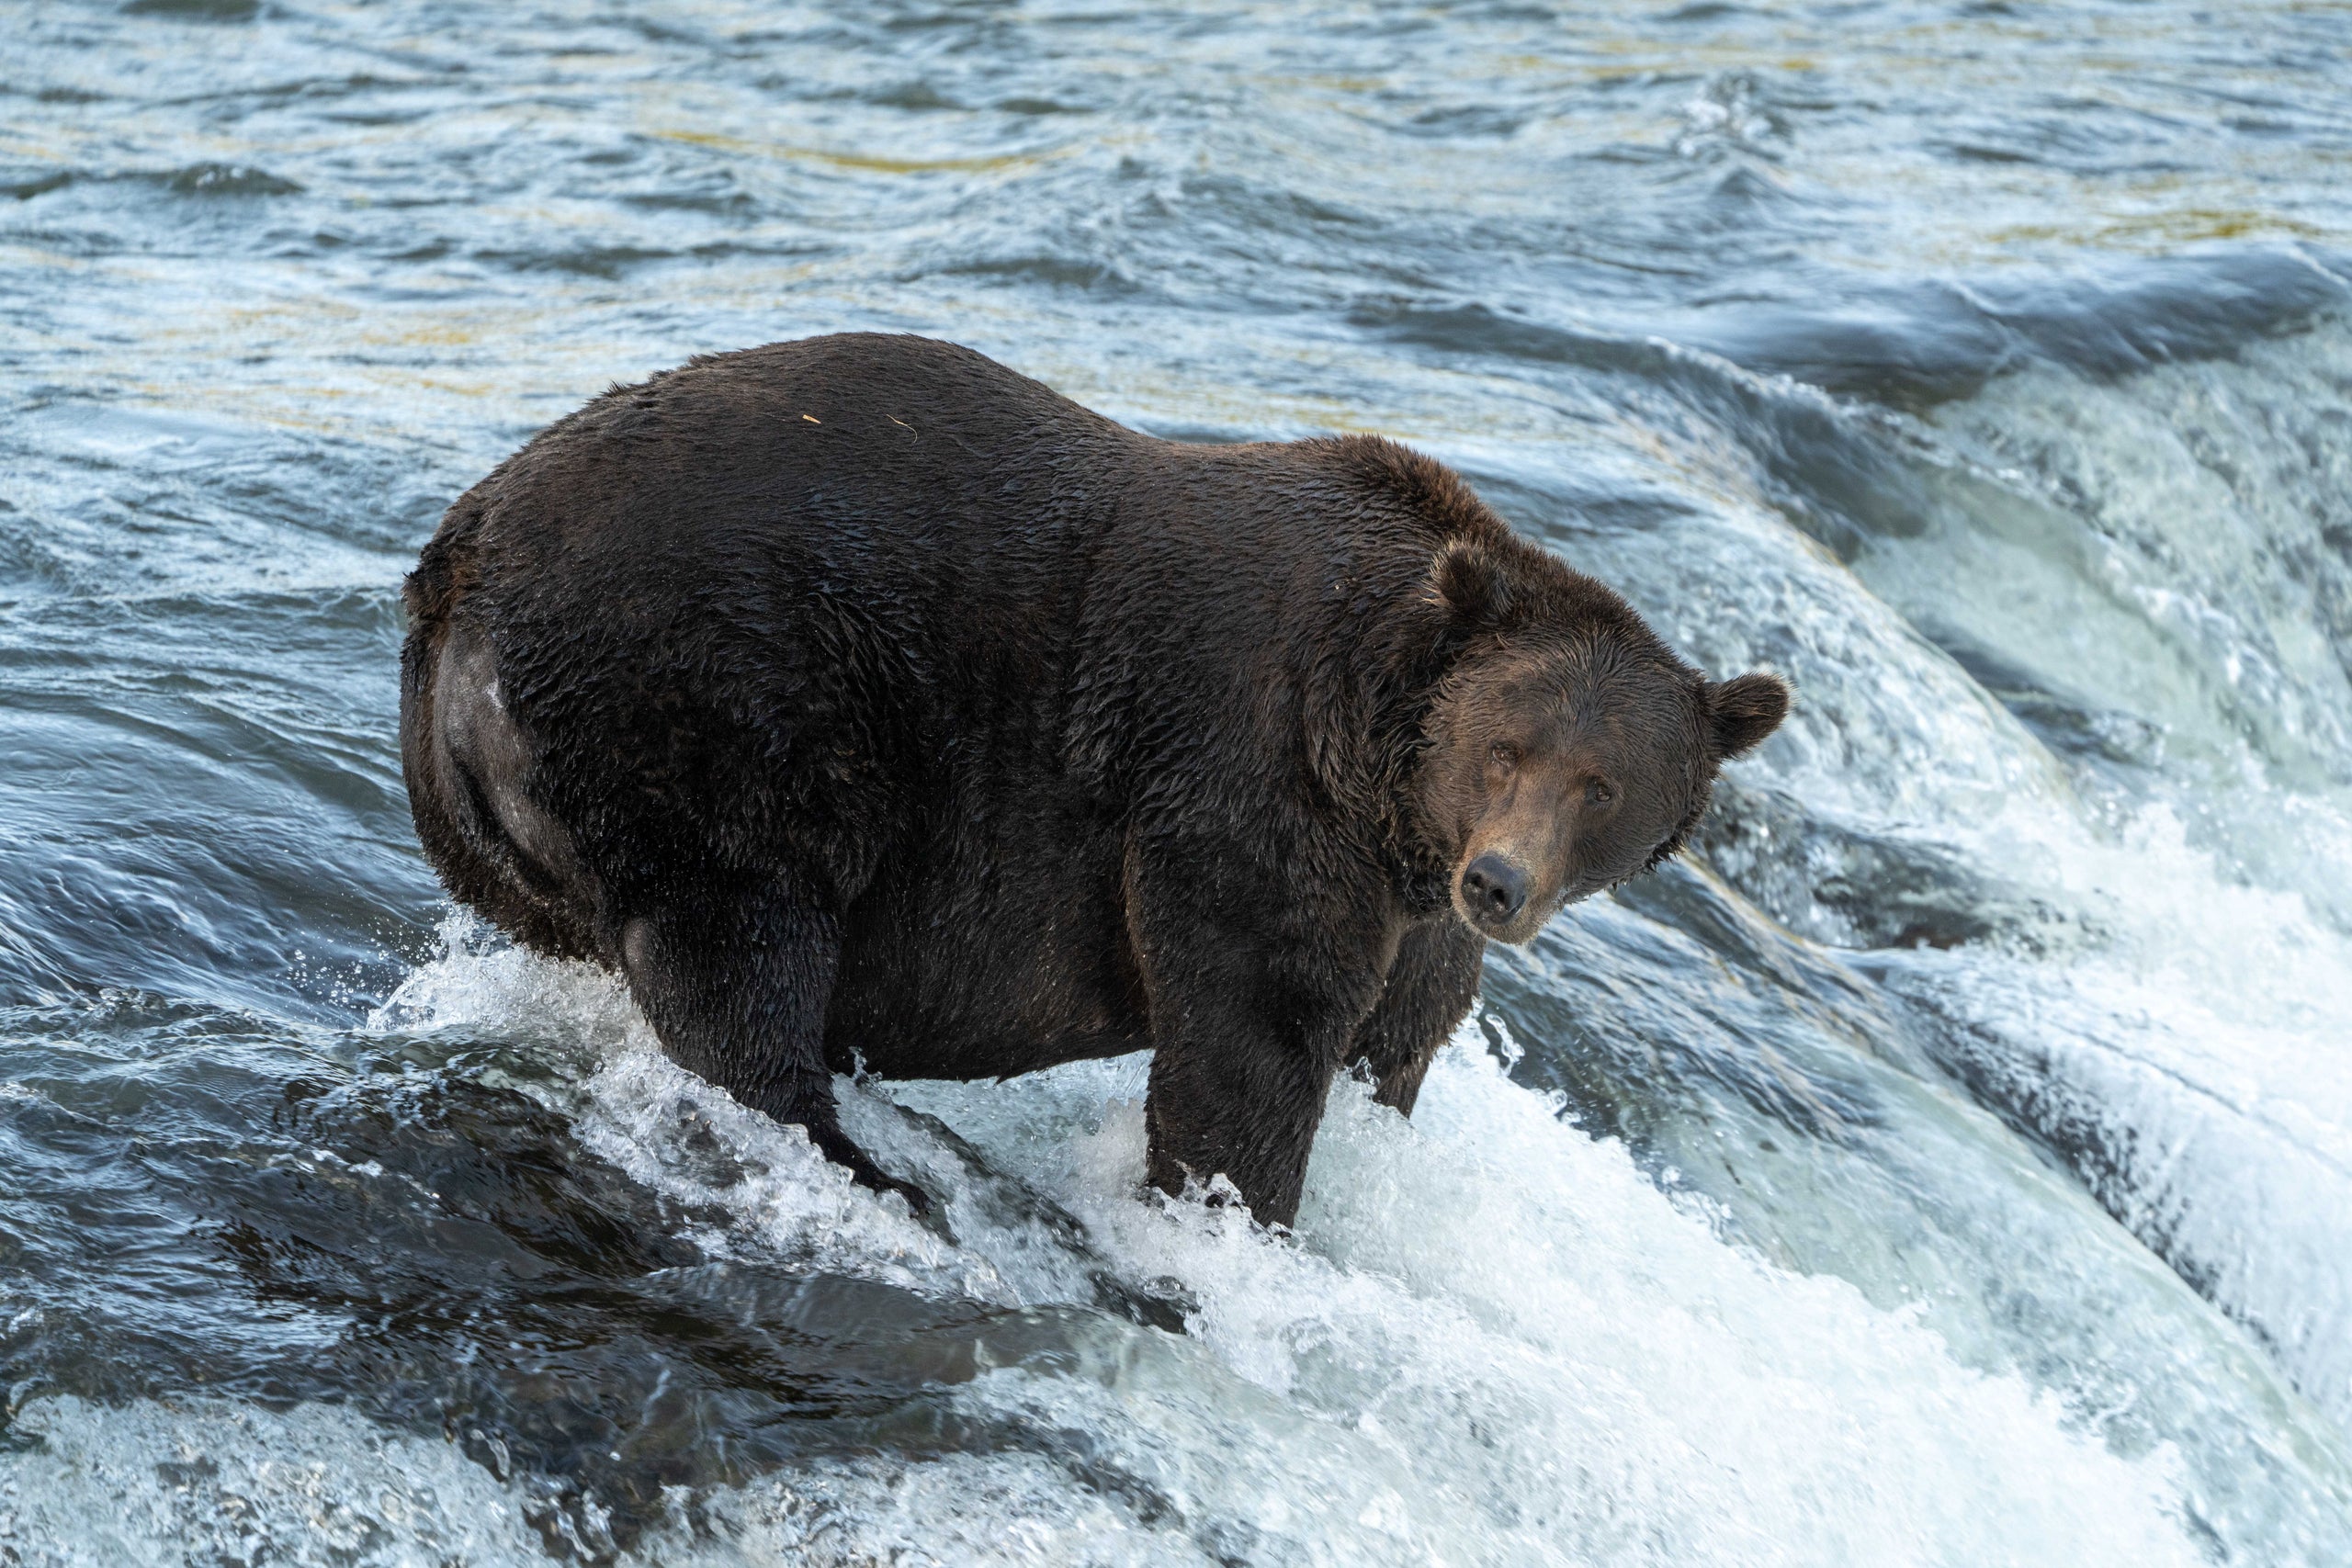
[{"x": 1557, "y": 770}]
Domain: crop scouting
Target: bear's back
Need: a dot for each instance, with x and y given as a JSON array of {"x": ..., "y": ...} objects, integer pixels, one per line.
[
  {"x": 859, "y": 443},
  {"x": 849, "y": 567}
]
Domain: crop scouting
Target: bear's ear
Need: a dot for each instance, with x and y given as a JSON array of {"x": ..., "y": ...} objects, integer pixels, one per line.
[
  {"x": 1471, "y": 586},
  {"x": 1742, "y": 711}
]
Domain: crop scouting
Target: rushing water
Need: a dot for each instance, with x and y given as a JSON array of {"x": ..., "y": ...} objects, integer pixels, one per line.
[{"x": 1950, "y": 1162}]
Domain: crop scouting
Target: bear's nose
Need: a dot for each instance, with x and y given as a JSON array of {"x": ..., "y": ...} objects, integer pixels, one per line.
[{"x": 1494, "y": 888}]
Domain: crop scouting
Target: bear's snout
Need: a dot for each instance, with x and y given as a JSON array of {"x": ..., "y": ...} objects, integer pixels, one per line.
[{"x": 1493, "y": 890}]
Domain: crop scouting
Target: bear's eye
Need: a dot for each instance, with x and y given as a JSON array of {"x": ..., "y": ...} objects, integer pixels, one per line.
[
  {"x": 1601, "y": 791},
  {"x": 1503, "y": 755}
]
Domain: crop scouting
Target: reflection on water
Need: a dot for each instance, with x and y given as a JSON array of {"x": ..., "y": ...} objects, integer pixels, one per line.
[{"x": 1950, "y": 1162}]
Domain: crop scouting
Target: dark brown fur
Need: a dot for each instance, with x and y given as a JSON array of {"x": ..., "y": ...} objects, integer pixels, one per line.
[{"x": 859, "y": 699}]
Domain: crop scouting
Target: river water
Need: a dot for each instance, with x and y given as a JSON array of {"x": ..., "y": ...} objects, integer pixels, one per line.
[{"x": 1949, "y": 1162}]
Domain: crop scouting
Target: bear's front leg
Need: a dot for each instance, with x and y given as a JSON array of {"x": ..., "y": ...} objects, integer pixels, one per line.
[
  {"x": 1430, "y": 989},
  {"x": 734, "y": 974},
  {"x": 1237, "y": 1100},
  {"x": 1253, "y": 1003}
]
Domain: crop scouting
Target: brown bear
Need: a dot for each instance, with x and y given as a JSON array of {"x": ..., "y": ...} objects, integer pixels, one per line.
[{"x": 861, "y": 701}]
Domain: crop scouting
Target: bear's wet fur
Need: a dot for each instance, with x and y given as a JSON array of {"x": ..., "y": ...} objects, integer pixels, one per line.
[{"x": 861, "y": 701}]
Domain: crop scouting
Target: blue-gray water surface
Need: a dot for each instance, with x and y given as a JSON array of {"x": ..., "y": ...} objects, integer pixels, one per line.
[{"x": 1950, "y": 1161}]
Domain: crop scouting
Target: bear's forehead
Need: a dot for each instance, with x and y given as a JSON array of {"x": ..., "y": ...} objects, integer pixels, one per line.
[{"x": 1561, "y": 689}]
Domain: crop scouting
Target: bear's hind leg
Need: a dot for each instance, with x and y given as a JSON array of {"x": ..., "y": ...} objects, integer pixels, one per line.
[{"x": 735, "y": 975}]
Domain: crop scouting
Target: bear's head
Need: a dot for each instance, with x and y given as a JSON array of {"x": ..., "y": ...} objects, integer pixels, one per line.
[{"x": 1568, "y": 747}]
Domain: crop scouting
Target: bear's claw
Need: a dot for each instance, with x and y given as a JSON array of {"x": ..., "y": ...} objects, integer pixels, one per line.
[{"x": 836, "y": 1147}]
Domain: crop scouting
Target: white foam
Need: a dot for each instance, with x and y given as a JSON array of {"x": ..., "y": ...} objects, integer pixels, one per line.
[
  {"x": 2138, "y": 550},
  {"x": 1553, "y": 1362},
  {"x": 1490, "y": 1339},
  {"x": 203, "y": 1482}
]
